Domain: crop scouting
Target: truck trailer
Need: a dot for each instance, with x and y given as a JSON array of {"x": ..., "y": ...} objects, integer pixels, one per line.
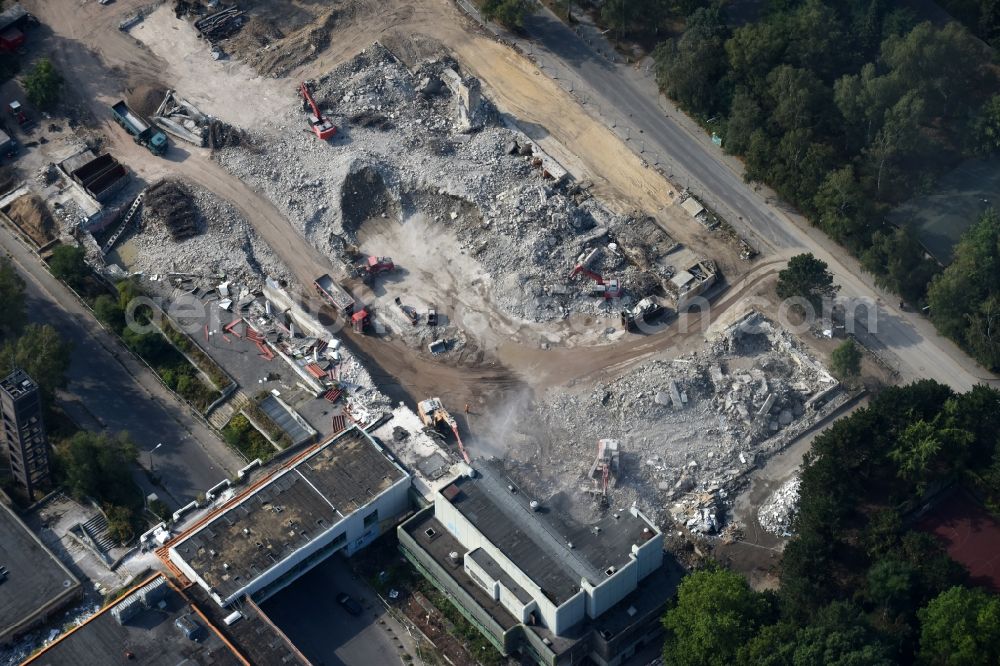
[{"x": 142, "y": 132}]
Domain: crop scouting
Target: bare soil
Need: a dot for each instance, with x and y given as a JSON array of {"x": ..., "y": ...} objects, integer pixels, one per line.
[{"x": 33, "y": 218}]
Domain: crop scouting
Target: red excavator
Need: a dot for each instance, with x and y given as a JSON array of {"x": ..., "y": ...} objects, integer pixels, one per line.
[
  {"x": 319, "y": 124},
  {"x": 607, "y": 288}
]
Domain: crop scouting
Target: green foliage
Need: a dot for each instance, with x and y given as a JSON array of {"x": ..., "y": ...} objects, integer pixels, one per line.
[
  {"x": 240, "y": 434},
  {"x": 43, "y": 84},
  {"x": 68, "y": 263},
  {"x": 120, "y": 521},
  {"x": 965, "y": 298},
  {"x": 716, "y": 613},
  {"x": 845, "y": 361},
  {"x": 12, "y": 306},
  {"x": 108, "y": 313},
  {"x": 862, "y": 475},
  {"x": 844, "y": 108},
  {"x": 508, "y": 13},
  {"x": 99, "y": 466},
  {"x": 806, "y": 277},
  {"x": 43, "y": 354},
  {"x": 961, "y": 627}
]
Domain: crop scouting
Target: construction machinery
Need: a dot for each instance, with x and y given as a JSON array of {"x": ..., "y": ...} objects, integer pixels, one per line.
[
  {"x": 372, "y": 266},
  {"x": 642, "y": 312},
  {"x": 410, "y": 313},
  {"x": 343, "y": 302},
  {"x": 142, "y": 132},
  {"x": 432, "y": 316},
  {"x": 607, "y": 288},
  {"x": 434, "y": 415},
  {"x": 319, "y": 124},
  {"x": 605, "y": 468},
  {"x": 17, "y": 111}
]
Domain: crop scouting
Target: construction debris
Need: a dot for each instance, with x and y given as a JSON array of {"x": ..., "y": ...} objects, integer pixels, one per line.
[
  {"x": 169, "y": 203},
  {"x": 695, "y": 425},
  {"x": 509, "y": 208},
  {"x": 223, "y": 242},
  {"x": 778, "y": 512}
]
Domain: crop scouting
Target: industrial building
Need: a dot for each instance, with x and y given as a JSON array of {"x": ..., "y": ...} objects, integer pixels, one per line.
[
  {"x": 153, "y": 624},
  {"x": 339, "y": 497},
  {"x": 24, "y": 432},
  {"x": 536, "y": 582},
  {"x": 34, "y": 584}
]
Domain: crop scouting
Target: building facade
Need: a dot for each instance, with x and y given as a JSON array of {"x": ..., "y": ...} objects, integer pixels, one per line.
[
  {"x": 24, "y": 438},
  {"x": 536, "y": 583}
]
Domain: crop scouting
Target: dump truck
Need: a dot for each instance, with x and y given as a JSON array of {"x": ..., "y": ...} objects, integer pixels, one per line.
[
  {"x": 142, "y": 132},
  {"x": 343, "y": 302}
]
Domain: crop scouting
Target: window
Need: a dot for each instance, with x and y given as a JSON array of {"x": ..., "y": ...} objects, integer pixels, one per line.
[
  {"x": 371, "y": 518},
  {"x": 340, "y": 540}
]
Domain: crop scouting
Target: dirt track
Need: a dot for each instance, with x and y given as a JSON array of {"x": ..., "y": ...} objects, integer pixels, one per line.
[{"x": 102, "y": 62}]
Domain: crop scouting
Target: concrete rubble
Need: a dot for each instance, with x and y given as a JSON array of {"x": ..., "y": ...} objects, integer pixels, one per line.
[
  {"x": 222, "y": 243},
  {"x": 415, "y": 150},
  {"x": 777, "y": 513},
  {"x": 690, "y": 429}
]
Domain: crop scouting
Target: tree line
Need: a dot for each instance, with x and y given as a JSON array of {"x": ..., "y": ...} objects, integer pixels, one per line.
[
  {"x": 846, "y": 109},
  {"x": 860, "y": 585}
]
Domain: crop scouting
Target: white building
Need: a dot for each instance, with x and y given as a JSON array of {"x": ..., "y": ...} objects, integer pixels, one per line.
[
  {"x": 536, "y": 582},
  {"x": 340, "y": 496}
]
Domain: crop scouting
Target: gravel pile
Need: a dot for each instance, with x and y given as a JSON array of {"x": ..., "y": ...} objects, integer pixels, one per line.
[
  {"x": 680, "y": 423},
  {"x": 778, "y": 512},
  {"x": 401, "y": 150},
  {"x": 225, "y": 244}
]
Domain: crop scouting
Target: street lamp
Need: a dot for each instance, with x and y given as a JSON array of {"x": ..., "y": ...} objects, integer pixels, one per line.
[{"x": 151, "y": 455}]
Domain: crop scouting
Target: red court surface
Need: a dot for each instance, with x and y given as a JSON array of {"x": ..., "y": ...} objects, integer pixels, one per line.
[{"x": 970, "y": 535}]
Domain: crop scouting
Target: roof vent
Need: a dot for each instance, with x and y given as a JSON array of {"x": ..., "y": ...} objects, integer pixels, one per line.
[
  {"x": 569, "y": 544},
  {"x": 225, "y": 565},
  {"x": 246, "y": 531},
  {"x": 535, "y": 506},
  {"x": 610, "y": 571},
  {"x": 597, "y": 529},
  {"x": 511, "y": 488},
  {"x": 453, "y": 556}
]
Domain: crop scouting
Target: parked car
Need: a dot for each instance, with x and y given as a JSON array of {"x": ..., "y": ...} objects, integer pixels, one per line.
[{"x": 349, "y": 604}]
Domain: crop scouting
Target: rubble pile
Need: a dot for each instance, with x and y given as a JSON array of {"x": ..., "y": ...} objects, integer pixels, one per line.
[
  {"x": 425, "y": 142},
  {"x": 776, "y": 514},
  {"x": 691, "y": 428},
  {"x": 225, "y": 244},
  {"x": 169, "y": 203}
]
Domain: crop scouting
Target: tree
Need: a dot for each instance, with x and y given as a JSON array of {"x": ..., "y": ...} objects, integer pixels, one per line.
[
  {"x": 898, "y": 262},
  {"x": 100, "y": 467},
  {"x": 43, "y": 354},
  {"x": 715, "y": 614},
  {"x": 806, "y": 277},
  {"x": 842, "y": 207},
  {"x": 12, "y": 307},
  {"x": 986, "y": 127},
  {"x": 926, "y": 450},
  {"x": 960, "y": 627},
  {"x": 43, "y": 84},
  {"x": 508, "y": 13},
  {"x": 69, "y": 264},
  {"x": 689, "y": 69},
  {"x": 845, "y": 361},
  {"x": 108, "y": 313},
  {"x": 119, "y": 523},
  {"x": 960, "y": 297}
]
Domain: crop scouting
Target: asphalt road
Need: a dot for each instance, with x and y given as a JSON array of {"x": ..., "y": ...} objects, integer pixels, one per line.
[
  {"x": 308, "y": 613},
  {"x": 629, "y": 102},
  {"x": 108, "y": 388}
]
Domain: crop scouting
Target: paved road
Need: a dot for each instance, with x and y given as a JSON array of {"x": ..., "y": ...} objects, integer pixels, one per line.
[
  {"x": 308, "y": 613},
  {"x": 109, "y": 388},
  {"x": 627, "y": 99}
]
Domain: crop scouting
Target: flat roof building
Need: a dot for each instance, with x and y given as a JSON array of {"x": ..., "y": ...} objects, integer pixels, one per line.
[
  {"x": 153, "y": 624},
  {"x": 535, "y": 581},
  {"x": 34, "y": 584},
  {"x": 338, "y": 497}
]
